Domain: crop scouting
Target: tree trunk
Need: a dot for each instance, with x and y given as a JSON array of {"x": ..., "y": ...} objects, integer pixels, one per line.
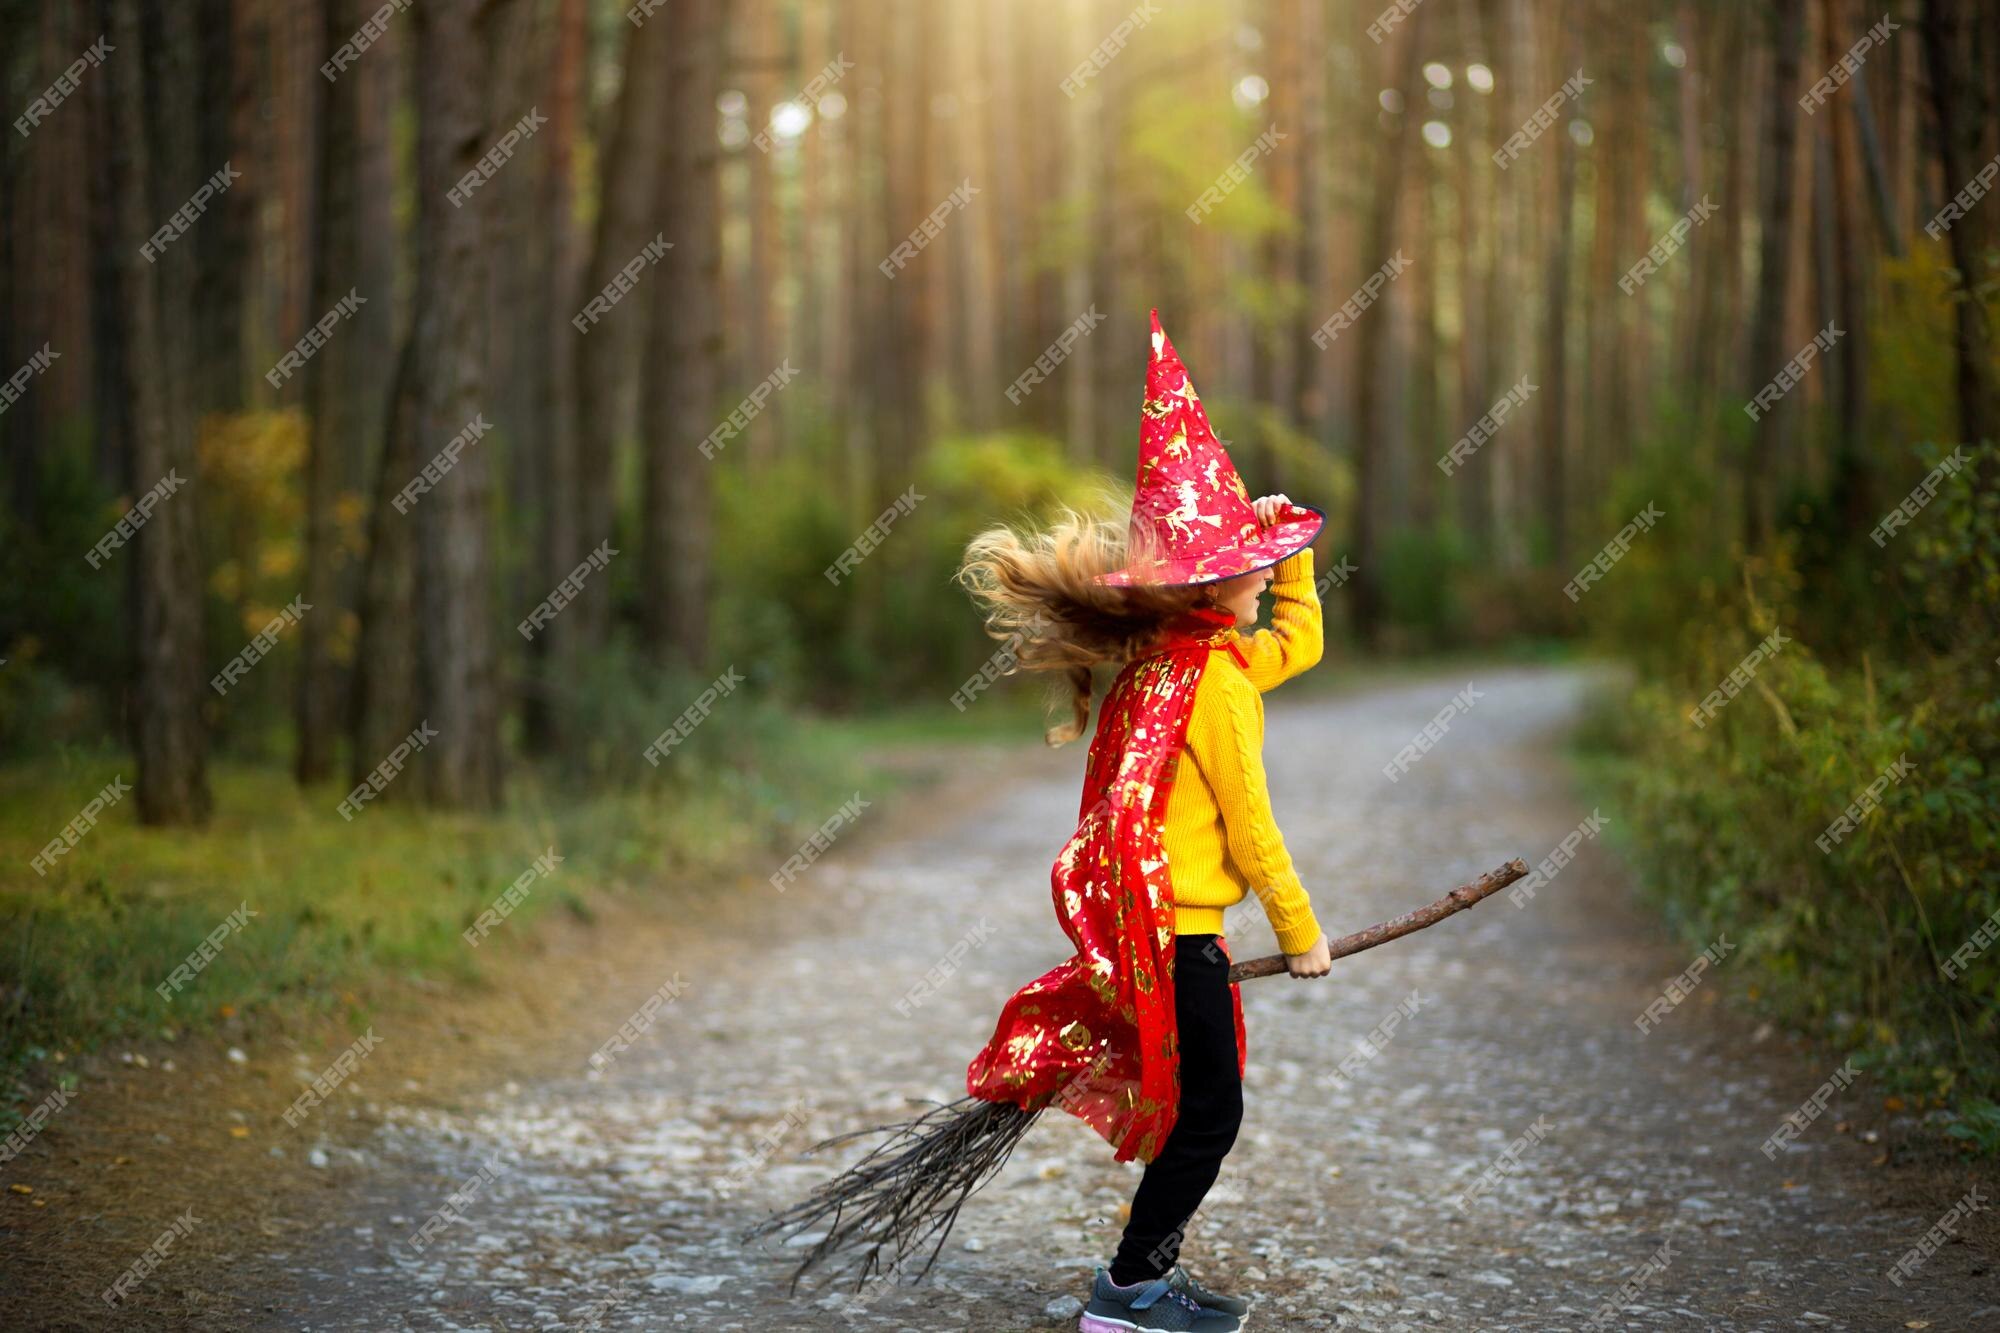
[
  {"x": 458, "y": 678},
  {"x": 1274, "y": 381},
  {"x": 978, "y": 286},
  {"x": 172, "y": 786},
  {"x": 1472, "y": 186},
  {"x": 1774, "y": 224},
  {"x": 1085, "y": 125},
  {"x": 1849, "y": 282},
  {"x": 1554, "y": 389},
  {"x": 762, "y": 46},
  {"x": 1958, "y": 99},
  {"x": 384, "y": 703},
  {"x": 608, "y": 359},
  {"x": 331, "y": 396},
  {"x": 1309, "y": 404},
  {"x": 687, "y": 343},
  {"x": 908, "y": 195},
  {"x": 219, "y": 241},
  {"x": 550, "y": 438},
  {"x": 109, "y": 322},
  {"x": 1371, "y": 333},
  {"x": 1713, "y": 258},
  {"x": 1423, "y": 344}
]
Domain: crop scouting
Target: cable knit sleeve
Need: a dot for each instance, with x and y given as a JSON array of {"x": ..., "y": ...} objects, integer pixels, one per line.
[
  {"x": 1297, "y": 637},
  {"x": 1226, "y": 737}
]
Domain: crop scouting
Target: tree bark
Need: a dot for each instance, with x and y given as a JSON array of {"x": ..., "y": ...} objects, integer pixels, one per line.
[
  {"x": 687, "y": 345},
  {"x": 1554, "y": 389},
  {"x": 384, "y": 703},
  {"x": 220, "y": 241},
  {"x": 1958, "y": 99},
  {"x": 551, "y": 434},
  {"x": 459, "y": 685},
  {"x": 978, "y": 294},
  {"x": 1274, "y": 378},
  {"x": 1850, "y": 272},
  {"x": 1472, "y": 184},
  {"x": 331, "y": 395},
  {"x": 1309, "y": 403},
  {"x": 172, "y": 746},
  {"x": 1082, "y": 142},
  {"x": 607, "y": 360},
  {"x": 1460, "y": 898},
  {"x": 1767, "y": 341},
  {"x": 760, "y": 41},
  {"x": 1371, "y": 333}
]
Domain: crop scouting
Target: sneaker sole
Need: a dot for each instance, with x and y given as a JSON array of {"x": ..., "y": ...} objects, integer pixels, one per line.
[{"x": 1097, "y": 1323}]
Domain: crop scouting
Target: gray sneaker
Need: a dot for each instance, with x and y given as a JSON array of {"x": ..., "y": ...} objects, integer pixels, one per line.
[
  {"x": 1154, "y": 1305},
  {"x": 1183, "y": 1281}
]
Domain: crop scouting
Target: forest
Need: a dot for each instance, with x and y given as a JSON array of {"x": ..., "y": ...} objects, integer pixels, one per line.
[{"x": 416, "y": 412}]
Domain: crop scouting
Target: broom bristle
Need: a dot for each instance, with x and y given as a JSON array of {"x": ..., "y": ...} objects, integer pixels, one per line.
[{"x": 905, "y": 1194}]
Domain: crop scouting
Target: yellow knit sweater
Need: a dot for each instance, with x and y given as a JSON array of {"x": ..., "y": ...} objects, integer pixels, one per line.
[{"x": 1220, "y": 837}]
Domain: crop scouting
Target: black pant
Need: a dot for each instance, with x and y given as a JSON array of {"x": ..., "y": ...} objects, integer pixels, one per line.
[{"x": 1211, "y": 1110}]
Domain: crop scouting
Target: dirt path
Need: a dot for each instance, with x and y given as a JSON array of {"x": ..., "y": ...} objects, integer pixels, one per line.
[{"x": 617, "y": 1195}]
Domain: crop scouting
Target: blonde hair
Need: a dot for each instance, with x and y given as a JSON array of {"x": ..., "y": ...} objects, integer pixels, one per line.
[{"x": 1040, "y": 595}]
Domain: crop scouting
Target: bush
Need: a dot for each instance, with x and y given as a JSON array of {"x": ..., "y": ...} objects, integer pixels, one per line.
[
  {"x": 1848, "y": 934},
  {"x": 892, "y": 626}
]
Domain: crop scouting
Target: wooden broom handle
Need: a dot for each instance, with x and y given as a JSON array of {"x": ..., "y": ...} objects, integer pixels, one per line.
[{"x": 1460, "y": 898}]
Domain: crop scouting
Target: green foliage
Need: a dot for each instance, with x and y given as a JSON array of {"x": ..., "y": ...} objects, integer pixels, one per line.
[
  {"x": 894, "y": 626},
  {"x": 1423, "y": 578},
  {"x": 1978, "y": 1125},
  {"x": 1725, "y": 821}
]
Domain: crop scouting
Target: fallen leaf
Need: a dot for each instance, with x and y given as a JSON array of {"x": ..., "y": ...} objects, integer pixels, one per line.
[
  {"x": 228, "y": 1011},
  {"x": 22, "y": 1189},
  {"x": 1892, "y": 1103},
  {"x": 239, "y": 1131}
]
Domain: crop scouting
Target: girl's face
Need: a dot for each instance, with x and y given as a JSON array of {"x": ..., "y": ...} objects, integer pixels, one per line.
[{"x": 1239, "y": 596}]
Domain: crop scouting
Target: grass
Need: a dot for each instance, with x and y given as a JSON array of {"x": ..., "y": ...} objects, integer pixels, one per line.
[{"x": 335, "y": 903}]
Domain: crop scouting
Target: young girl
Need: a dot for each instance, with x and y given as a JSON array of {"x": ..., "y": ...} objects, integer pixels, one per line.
[{"x": 1141, "y": 1034}]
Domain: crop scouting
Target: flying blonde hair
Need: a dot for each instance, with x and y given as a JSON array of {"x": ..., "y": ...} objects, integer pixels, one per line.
[{"x": 1040, "y": 595}]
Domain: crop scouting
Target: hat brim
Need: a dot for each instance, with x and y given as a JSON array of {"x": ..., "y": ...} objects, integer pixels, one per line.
[{"x": 1293, "y": 532}]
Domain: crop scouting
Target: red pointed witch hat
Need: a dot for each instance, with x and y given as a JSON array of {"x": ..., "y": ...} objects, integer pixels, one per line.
[{"x": 1191, "y": 518}]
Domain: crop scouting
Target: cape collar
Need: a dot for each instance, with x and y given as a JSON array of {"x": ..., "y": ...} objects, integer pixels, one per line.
[{"x": 1207, "y": 625}]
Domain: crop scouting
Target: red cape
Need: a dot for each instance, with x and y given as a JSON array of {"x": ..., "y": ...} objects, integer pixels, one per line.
[{"x": 1096, "y": 1034}]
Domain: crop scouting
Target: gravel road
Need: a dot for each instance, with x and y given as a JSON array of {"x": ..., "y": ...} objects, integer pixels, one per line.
[{"x": 1509, "y": 1158}]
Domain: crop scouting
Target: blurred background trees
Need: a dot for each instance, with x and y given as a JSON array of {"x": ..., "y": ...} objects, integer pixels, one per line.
[{"x": 478, "y": 172}]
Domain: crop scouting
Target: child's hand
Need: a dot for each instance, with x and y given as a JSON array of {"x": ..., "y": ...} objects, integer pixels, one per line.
[
  {"x": 1314, "y": 962},
  {"x": 1270, "y": 507}
]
